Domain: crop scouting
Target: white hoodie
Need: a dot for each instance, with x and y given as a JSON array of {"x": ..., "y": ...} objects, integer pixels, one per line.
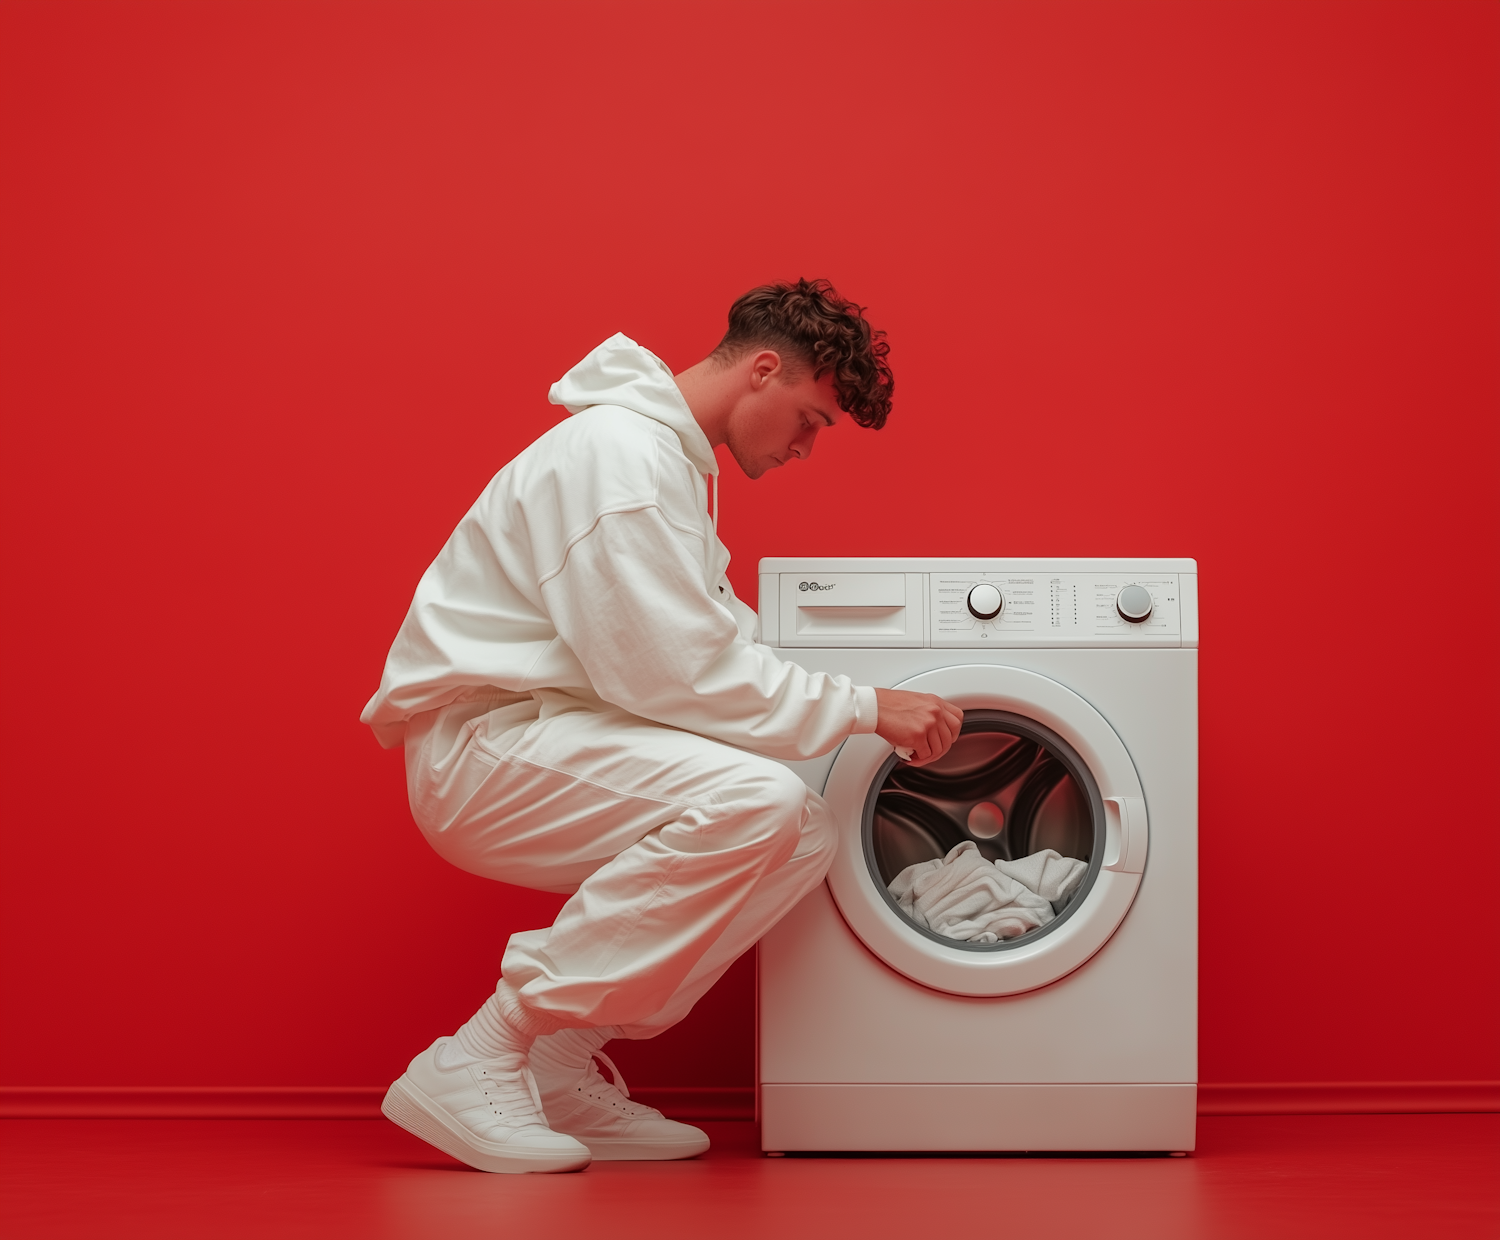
[{"x": 590, "y": 564}]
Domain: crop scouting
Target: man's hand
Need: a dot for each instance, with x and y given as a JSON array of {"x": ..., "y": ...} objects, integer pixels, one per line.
[{"x": 921, "y": 722}]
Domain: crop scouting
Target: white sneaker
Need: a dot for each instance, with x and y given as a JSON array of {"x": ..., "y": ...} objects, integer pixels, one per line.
[
  {"x": 484, "y": 1112},
  {"x": 600, "y": 1113}
]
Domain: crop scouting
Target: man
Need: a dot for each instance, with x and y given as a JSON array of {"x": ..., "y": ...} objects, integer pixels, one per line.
[{"x": 584, "y": 709}]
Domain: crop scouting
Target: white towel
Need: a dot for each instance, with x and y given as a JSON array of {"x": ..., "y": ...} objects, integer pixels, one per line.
[
  {"x": 963, "y": 896},
  {"x": 1048, "y": 873}
]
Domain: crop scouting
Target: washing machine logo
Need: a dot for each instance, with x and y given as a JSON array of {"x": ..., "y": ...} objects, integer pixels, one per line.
[{"x": 813, "y": 585}]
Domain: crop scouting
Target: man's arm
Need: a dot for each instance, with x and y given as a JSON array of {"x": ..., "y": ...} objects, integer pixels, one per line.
[{"x": 631, "y": 603}]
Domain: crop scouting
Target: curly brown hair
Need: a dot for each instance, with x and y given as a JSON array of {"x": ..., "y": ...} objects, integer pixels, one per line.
[{"x": 819, "y": 328}]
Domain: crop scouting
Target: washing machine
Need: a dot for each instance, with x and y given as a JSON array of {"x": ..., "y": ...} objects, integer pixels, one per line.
[{"x": 1079, "y": 685}]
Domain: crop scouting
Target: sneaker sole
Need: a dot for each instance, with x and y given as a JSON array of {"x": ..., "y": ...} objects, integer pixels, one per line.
[
  {"x": 642, "y": 1151},
  {"x": 408, "y": 1107}
]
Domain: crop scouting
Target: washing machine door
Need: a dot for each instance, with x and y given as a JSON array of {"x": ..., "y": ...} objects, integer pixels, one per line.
[{"x": 1036, "y": 768}]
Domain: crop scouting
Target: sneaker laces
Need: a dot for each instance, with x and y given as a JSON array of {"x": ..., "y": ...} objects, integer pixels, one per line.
[
  {"x": 614, "y": 1073},
  {"x": 515, "y": 1105},
  {"x": 595, "y": 1086}
]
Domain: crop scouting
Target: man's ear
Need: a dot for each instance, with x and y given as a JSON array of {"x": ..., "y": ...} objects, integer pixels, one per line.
[{"x": 765, "y": 365}]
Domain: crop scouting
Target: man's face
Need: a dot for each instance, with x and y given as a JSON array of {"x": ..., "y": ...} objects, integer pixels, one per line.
[{"x": 775, "y": 421}]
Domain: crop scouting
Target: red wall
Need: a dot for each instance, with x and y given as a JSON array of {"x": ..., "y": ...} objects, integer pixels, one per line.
[{"x": 285, "y": 284}]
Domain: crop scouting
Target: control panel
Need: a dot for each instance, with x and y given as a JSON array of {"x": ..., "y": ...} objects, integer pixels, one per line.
[
  {"x": 982, "y": 609},
  {"x": 983, "y": 604}
]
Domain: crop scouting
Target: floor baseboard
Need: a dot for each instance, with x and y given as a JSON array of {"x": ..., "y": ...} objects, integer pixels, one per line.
[
  {"x": 694, "y": 1103},
  {"x": 298, "y": 1102},
  {"x": 190, "y": 1102},
  {"x": 1346, "y": 1097}
]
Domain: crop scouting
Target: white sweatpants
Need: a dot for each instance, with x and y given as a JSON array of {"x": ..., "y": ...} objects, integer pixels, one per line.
[{"x": 679, "y": 851}]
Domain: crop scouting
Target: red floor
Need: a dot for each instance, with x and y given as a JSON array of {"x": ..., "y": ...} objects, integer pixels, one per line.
[{"x": 1282, "y": 1177}]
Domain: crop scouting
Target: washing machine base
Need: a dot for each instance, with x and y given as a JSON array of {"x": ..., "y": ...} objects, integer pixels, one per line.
[{"x": 978, "y": 1117}]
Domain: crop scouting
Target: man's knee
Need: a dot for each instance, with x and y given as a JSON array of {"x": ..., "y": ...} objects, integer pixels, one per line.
[
  {"x": 821, "y": 834},
  {"x": 786, "y": 790},
  {"x": 773, "y": 799},
  {"x": 808, "y": 828}
]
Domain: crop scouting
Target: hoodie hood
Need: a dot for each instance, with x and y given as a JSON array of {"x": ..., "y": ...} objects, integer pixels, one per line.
[{"x": 620, "y": 372}]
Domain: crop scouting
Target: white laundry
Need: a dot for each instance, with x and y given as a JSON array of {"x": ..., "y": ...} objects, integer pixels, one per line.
[
  {"x": 964, "y": 896},
  {"x": 1048, "y": 873}
]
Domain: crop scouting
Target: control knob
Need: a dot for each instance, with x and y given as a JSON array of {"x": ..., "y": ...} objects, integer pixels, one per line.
[
  {"x": 985, "y": 601},
  {"x": 1134, "y": 604}
]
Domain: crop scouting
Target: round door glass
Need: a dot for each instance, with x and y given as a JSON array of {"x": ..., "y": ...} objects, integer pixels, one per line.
[{"x": 995, "y": 844}]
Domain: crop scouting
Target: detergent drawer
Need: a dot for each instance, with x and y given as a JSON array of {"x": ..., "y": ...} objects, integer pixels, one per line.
[{"x": 847, "y": 609}]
